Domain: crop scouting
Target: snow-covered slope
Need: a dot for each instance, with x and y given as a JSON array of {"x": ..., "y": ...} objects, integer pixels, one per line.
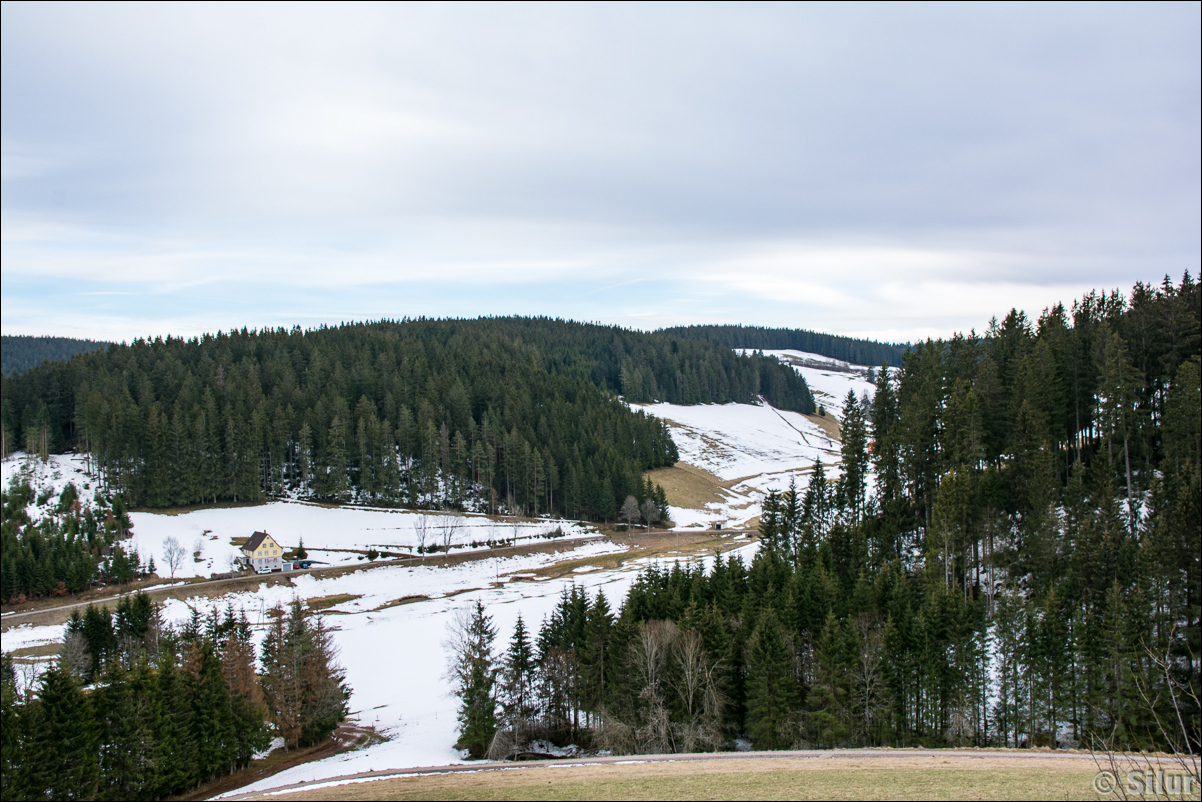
[
  {"x": 48, "y": 478},
  {"x": 828, "y": 379},
  {"x": 752, "y": 449},
  {"x": 734, "y": 441}
]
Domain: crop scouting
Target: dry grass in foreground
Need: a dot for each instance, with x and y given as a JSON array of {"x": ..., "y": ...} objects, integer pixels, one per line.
[{"x": 940, "y": 776}]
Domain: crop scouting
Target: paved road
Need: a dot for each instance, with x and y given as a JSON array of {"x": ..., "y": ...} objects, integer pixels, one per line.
[{"x": 810, "y": 754}]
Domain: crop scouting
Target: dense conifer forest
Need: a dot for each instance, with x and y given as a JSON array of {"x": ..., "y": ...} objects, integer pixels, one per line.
[
  {"x": 135, "y": 709},
  {"x": 1009, "y": 556},
  {"x": 509, "y": 413},
  {"x": 849, "y": 349},
  {"x": 19, "y": 353}
]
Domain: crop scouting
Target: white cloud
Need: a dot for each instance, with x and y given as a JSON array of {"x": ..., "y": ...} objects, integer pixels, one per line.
[{"x": 897, "y": 173}]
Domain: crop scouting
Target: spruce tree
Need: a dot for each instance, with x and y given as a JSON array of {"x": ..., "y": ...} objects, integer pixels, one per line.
[
  {"x": 517, "y": 692},
  {"x": 828, "y": 695},
  {"x": 177, "y": 750},
  {"x": 62, "y": 756},
  {"x": 771, "y": 690},
  {"x": 475, "y": 677}
]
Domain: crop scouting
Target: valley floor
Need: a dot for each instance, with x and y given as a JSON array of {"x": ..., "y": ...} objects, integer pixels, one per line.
[{"x": 390, "y": 621}]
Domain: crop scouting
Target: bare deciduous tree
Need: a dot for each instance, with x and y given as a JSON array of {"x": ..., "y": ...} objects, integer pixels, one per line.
[
  {"x": 517, "y": 523},
  {"x": 422, "y": 528},
  {"x": 868, "y": 676},
  {"x": 1173, "y": 725},
  {"x": 449, "y": 526},
  {"x": 650, "y": 512},
  {"x": 173, "y": 553},
  {"x": 74, "y": 655},
  {"x": 698, "y": 693},
  {"x": 630, "y": 510},
  {"x": 651, "y": 650}
]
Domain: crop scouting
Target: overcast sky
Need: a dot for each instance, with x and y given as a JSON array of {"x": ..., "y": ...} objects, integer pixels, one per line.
[{"x": 889, "y": 171}]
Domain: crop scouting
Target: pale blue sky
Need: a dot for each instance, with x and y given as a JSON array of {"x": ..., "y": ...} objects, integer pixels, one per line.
[{"x": 888, "y": 171}]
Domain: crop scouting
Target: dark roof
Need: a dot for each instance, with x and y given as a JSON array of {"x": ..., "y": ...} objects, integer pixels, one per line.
[{"x": 255, "y": 541}]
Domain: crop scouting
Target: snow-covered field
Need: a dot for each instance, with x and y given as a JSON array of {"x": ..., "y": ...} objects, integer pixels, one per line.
[
  {"x": 394, "y": 657},
  {"x": 396, "y": 662},
  {"x": 335, "y": 535}
]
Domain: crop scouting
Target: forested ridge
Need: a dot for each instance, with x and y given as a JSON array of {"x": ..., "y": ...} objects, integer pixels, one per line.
[
  {"x": 1009, "y": 556},
  {"x": 759, "y": 338},
  {"x": 489, "y": 413},
  {"x": 19, "y": 352}
]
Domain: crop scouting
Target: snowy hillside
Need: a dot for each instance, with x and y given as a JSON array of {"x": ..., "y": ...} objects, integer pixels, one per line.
[
  {"x": 48, "y": 479},
  {"x": 390, "y": 621},
  {"x": 752, "y": 449},
  {"x": 828, "y": 379}
]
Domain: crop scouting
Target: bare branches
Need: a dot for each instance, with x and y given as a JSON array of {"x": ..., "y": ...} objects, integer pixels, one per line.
[{"x": 173, "y": 554}]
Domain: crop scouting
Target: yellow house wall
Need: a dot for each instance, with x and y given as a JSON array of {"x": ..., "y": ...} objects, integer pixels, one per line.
[{"x": 265, "y": 548}]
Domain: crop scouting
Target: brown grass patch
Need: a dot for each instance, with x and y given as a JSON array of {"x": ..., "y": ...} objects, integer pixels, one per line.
[
  {"x": 645, "y": 544},
  {"x": 687, "y": 485},
  {"x": 326, "y": 602},
  {"x": 403, "y": 600},
  {"x": 939, "y": 776},
  {"x": 34, "y": 652},
  {"x": 828, "y": 424},
  {"x": 224, "y": 505}
]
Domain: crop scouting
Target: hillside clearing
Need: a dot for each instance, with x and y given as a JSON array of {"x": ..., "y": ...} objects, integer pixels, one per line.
[{"x": 688, "y": 486}]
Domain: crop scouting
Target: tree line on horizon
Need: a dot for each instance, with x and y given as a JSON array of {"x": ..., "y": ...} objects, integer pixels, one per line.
[
  {"x": 759, "y": 338},
  {"x": 521, "y": 414},
  {"x": 136, "y": 709},
  {"x": 20, "y": 352},
  {"x": 1009, "y": 556}
]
